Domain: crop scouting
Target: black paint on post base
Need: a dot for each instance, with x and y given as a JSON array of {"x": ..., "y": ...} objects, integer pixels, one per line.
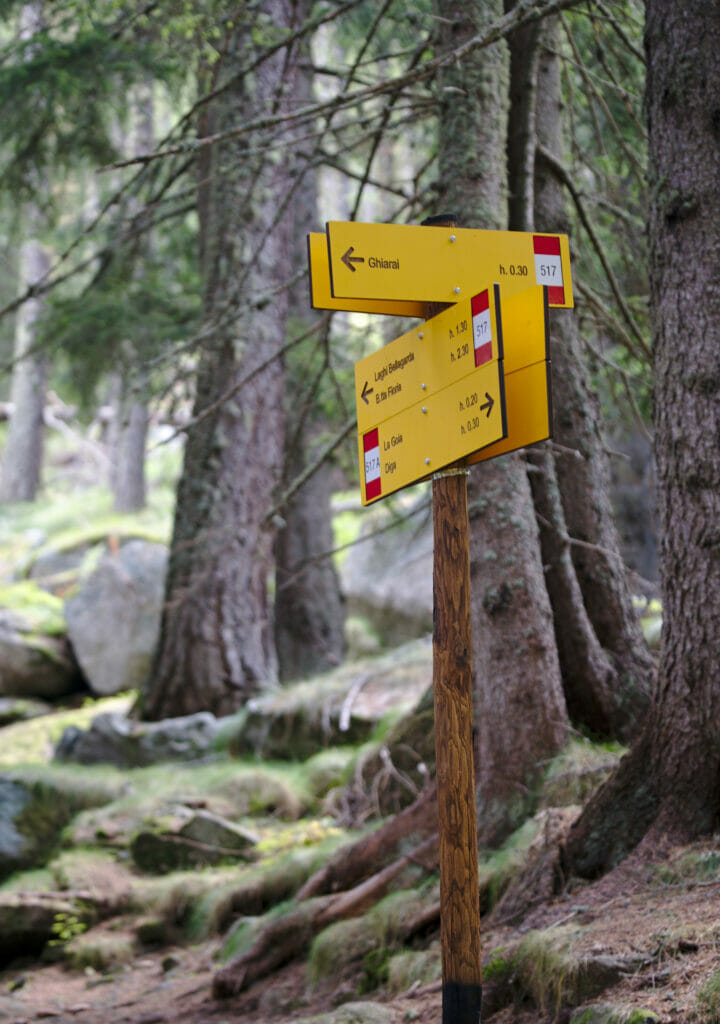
[{"x": 461, "y": 1003}]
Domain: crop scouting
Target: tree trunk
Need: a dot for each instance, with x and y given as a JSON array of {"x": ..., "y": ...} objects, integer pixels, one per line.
[
  {"x": 22, "y": 458},
  {"x": 608, "y": 691},
  {"x": 309, "y": 610},
  {"x": 127, "y": 479},
  {"x": 669, "y": 783},
  {"x": 127, "y": 441},
  {"x": 309, "y": 613},
  {"x": 216, "y": 645},
  {"x": 520, "y": 712}
]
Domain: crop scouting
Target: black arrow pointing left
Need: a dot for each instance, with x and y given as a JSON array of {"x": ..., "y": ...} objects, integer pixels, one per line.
[
  {"x": 348, "y": 259},
  {"x": 365, "y": 392},
  {"x": 488, "y": 405}
]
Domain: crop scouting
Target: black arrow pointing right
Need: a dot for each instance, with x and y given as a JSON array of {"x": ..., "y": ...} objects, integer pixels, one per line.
[
  {"x": 488, "y": 405},
  {"x": 365, "y": 392}
]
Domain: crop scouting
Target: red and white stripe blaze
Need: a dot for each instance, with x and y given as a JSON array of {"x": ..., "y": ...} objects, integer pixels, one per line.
[
  {"x": 482, "y": 327},
  {"x": 548, "y": 267},
  {"x": 371, "y": 450}
]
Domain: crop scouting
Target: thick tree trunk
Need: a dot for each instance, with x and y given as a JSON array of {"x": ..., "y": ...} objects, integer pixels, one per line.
[
  {"x": 309, "y": 608},
  {"x": 669, "y": 783},
  {"x": 521, "y": 718},
  {"x": 618, "y": 676},
  {"x": 22, "y": 458},
  {"x": 216, "y": 644}
]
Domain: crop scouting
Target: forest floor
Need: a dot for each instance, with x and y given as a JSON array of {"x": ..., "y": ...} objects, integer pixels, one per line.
[{"x": 642, "y": 910}]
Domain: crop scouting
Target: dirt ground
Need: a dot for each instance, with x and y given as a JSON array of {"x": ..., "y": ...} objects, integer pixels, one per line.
[{"x": 675, "y": 927}]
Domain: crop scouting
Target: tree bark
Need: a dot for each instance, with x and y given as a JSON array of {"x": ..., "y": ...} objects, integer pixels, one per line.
[
  {"x": 613, "y": 684},
  {"x": 127, "y": 478},
  {"x": 216, "y": 644},
  {"x": 309, "y": 607},
  {"x": 521, "y": 718},
  {"x": 669, "y": 783},
  {"x": 22, "y": 458}
]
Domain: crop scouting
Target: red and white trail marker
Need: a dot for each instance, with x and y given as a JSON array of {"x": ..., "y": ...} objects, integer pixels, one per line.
[{"x": 548, "y": 267}]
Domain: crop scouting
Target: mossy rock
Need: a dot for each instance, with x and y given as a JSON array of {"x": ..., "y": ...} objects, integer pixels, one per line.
[
  {"x": 340, "y": 708},
  {"x": 577, "y": 771},
  {"x": 606, "y": 1013},
  {"x": 341, "y": 945},
  {"x": 34, "y": 809},
  {"x": 353, "y": 1013},
  {"x": 414, "y": 967},
  {"x": 35, "y": 657}
]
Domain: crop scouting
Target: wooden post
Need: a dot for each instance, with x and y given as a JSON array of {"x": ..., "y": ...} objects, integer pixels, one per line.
[{"x": 452, "y": 684}]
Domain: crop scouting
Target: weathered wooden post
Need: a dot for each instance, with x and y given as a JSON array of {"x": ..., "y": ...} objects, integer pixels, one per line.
[{"x": 452, "y": 684}]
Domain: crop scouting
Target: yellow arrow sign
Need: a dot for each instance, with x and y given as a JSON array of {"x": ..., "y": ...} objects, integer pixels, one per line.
[
  {"x": 428, "y": 358},
  {"x": 431, "y": 397},
  {"x": 405, "y": 448},
  {"x": 321, "y": 296},
  {"x": 442, "y": 352},
  {"x": 405, "y": 261}
]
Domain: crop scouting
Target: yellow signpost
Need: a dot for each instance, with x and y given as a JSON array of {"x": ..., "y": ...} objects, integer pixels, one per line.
[
  {"x": 321, "y": 297},
  {"x": 406, "y": 261},
  {"x": 468, "y": 384},
  {"x": 428, "y": 358},
  {"x": 404, "y": 389},
  {"x": 431, "y": 397}
]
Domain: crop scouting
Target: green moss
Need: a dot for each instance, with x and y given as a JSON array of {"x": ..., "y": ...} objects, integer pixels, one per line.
[
  {"x": 709, "y": 998},
  {"x": 33, "y": 741},
  {"x": 340, "y": 945},
  {"x": 39, "y": 611},
  {"x": 498, "y": 868},
  {"x": 607, "y": 1013},
  {"x": 414, "y": 967},
  {"x": 577, "y": 771}
]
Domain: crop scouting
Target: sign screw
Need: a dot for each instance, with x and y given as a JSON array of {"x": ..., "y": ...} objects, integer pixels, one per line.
[
  {"x": 456, "y": 289},
  {"x": 452, "y": 238},
  {"x": 424, "y": 408},
  {"x": 423, "y": 386},
  {"x": 427, "y": 462},
  {"x": 420, "y": 334}
]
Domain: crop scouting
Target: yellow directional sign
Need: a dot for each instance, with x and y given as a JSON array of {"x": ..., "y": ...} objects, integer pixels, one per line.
[
  {"x": 428, "y": 358},
  {"x": 461, "y": 418},
  {"x": 431, "y": 397},
  {"x": 432, "y": 264},
  {"x": 528, "y": 390},
  {"x": 321, "y": 296}
]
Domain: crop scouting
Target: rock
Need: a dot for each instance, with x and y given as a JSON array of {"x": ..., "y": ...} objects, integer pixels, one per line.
[
  {"x": 32, "y": 663},
  {"x": 115, "y": 739},
  {"x": 33, "y": 812},
  {"x": 353, "y": 1013},
  {"x": 339, "y": 708},
  {"x": 27, "y": 922},
  {"x": 607, "y": 1013},
  {"x": 21, "y": 709},
  {"x": 202, "y": 840},
  {"x": 113, "y": 618},
  {"x": 388, "y": 578},
  {"x": 212, "y": 830}
]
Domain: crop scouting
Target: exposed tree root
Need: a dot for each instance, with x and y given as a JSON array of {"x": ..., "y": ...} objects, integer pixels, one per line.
[{"x": 285, "y": 937}]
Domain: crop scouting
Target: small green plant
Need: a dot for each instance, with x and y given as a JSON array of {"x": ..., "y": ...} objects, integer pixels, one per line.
[
  {"x": 709, "y": 999},
  {"x": 66, "y": 927}
]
